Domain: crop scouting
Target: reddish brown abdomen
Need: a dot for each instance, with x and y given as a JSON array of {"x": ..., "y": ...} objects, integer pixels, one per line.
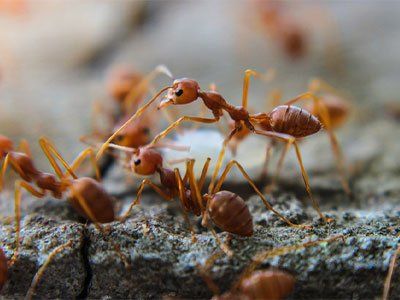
[
  {"x": 3, "y": 269},
  {"x": 230, "y": 213},
  {"x": 270, "y": 284},
  {"x": 294, "y": 121},
  {"x": 97, "y": 199}
]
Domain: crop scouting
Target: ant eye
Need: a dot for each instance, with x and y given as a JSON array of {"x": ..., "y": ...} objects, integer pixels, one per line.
[
  {"x": 118, "y": 138},
  {"x": 137, "y": 162},
  {"x": 146, "y": 130},
  {"x": 179, "y": 92}
]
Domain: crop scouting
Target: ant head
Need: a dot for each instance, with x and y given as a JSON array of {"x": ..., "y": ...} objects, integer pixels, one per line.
[
  {"x": 183, "y": 91},
  {"x": 146, "y": 161},
  {"x": 6, "y": 145},
  {"x": 134, "y": 135}
]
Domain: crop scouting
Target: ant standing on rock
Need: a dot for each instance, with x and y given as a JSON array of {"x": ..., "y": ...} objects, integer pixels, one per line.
[
  {"x": 285, "y": 123},
  {"x": 225, "y": 209},
  {"x": 87, "y": 196},
  {"x": 271, "y": 283}
]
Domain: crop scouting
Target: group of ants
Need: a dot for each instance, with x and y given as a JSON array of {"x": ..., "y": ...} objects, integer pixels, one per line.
[{"x": 325, "y": 109}]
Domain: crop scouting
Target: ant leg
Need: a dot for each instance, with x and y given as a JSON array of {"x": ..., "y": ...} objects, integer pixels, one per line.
[
  {"x": 253, "y": 185},
  {"x": 17, "y": 210},
  {"x": 81, "y": 157},
  {"x": 322, "y": 111},
  {"x": 48, "y": 148},
  {"x": 268, "y": 154},
  {"x": 178, "y": 122},
  {"x": 3, "y": 170},
  {"x": 204, "y": 270},
  {"x": 183, "y": 199},
  {"x": 203, "y": 175},
  {"x": 139, "y": 112},
  {"x": 246, "y": 82},
  {"x": 388, "y": 280},
  {"x": 292, "y": 141},
  {"x": 139, "y": 195},
  {"x": 87, "y": 210},
  {"x": 221, "y": 158},
  {"x": 262, "y": 256},
  {"x": 24, "y": 147},
  {"x": 40, "y": 272},
  {"x": 142, "y": 86}
]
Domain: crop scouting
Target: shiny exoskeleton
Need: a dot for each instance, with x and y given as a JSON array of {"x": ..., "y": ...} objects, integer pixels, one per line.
[
  {"x": 271, "y": 284},
  {"x": 227, "y": 210},
  {"x": 96, "y": 198},
  {"x": 290, "y": 120}
]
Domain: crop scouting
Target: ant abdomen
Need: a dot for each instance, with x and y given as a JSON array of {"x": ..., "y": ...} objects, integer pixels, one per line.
[
  {"x": 230, "y": 213},
  {"x": 96, "y": 198},
  {"x": 269, "y": 284},
  {"x": 294, "y": 121}
]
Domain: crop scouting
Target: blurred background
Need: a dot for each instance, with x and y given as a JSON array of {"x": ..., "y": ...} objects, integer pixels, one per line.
[{"x": 55, "y": 56}]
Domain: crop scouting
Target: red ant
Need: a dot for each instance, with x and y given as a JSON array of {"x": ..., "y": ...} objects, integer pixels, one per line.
[
  {"x": 216, "y": 205},
  {"x": 290, "y": 35},
  {"x": 128, "y": 89},
  {"x": 286, "y": 122},
  {"x": 86, "y": 195},
  {"x": 271, "y": 283}
]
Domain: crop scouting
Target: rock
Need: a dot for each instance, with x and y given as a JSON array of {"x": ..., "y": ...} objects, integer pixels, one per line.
[{"x": 40, "y": 234}]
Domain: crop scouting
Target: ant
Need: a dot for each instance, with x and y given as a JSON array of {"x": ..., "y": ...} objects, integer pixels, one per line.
[
  {"x": 86, "y": 195},
  {"x": 289, "y": 34},
  {"x": 286, "y": 122},
  {"x": 271, "y": 283},
  {"x": 332, "y": 110},
  {"x": 217, "y": 205},
  {"x": 128, "y": 89}
]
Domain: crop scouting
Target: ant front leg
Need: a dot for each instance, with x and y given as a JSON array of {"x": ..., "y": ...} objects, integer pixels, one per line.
[
  {"x": 290, "y": 140},
  {"x": 49, "y": 150},
  {"x": 183, "y": 200},
  {"x": 246, "y": 82},
  {"x": 40, "y": 272},
  {"x": 221, "y": 157},
  {"x": 322, "y": 111},
  {"x": 253, "y": 185},
  {"x": 132, "y": 97},
  {"x": 81, "y": 157},
  {"x": 19, "y": 185},
  {"x": 139, "y": 195},
  {"x": 178, "y": 122}
]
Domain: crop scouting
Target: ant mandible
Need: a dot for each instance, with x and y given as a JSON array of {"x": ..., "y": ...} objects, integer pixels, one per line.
[
  {"x": 285, "y": 123},
  {"x": 87, "y": 196},
  {"x": 271, "y": 283}
]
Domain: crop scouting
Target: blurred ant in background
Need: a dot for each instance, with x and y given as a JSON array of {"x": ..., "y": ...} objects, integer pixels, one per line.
[
  {"x": 128, "y": 89},
  {"x": 271, "y": 283},
  {"x": 286, "y": 122}
]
